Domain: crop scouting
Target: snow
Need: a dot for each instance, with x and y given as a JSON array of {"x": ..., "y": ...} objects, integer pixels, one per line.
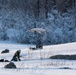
[
  {"x": 39, "y": 30},
  {"x": 37, "y": 62}
]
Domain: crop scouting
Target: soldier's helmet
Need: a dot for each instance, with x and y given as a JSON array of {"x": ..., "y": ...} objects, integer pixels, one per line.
[{"x": 19, "y": 51}]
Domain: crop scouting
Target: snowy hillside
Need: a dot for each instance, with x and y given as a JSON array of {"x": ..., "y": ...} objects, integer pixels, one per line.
[
  {"x": 46, "y": 52},
  {"x": 37, "y": 62}
]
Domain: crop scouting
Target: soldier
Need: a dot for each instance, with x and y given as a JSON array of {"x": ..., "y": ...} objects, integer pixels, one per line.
[{"x": 16, "y": 56}]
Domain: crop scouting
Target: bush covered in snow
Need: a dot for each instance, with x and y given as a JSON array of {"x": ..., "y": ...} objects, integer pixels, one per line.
[{"x": 15, "y": 23}]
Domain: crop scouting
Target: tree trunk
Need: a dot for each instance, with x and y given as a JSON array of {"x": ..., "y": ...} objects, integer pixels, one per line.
[
  {"x": 37, "y": 9},
  {"x": 46, "y": 8}
]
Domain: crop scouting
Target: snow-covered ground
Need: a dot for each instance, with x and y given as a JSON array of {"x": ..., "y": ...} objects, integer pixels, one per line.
[{"x": 37, "y": 62}]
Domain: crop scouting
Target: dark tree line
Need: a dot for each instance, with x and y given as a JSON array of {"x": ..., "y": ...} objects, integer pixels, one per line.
[{"x": 38, "y": 7}]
